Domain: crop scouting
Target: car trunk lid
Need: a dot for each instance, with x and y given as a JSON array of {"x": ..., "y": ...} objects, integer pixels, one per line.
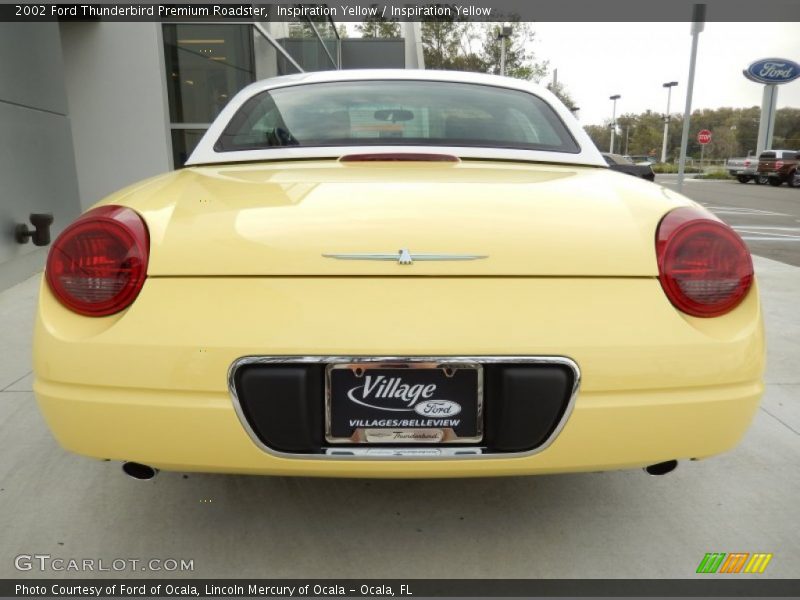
[{"x": 330, "y": 218}]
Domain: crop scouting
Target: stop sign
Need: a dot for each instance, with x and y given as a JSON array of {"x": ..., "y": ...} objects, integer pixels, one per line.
[{"x": 704, "y": 136}]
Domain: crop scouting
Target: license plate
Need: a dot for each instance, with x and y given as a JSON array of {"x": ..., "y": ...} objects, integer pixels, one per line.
[{"x": 404, "y": 403}]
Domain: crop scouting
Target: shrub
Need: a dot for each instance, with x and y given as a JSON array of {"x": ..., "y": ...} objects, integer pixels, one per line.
[
  {"x": 673, "y": 168},
  {"x": 715, "y": 174}
]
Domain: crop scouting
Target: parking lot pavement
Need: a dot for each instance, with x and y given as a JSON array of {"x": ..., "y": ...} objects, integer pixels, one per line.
[
  {"x": 598, "y": 525},
  {"x": 768, "y": 218}
]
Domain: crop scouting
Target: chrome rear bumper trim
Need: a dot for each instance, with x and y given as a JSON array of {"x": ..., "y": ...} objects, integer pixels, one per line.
[{"x": 404, "y": 453}]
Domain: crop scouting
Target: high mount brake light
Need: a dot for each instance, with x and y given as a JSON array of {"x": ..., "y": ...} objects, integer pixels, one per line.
[
  {"x": 704, "y": 266},
  {"x": 98, "y": 264},
  {"x": 399, "y": 157}
]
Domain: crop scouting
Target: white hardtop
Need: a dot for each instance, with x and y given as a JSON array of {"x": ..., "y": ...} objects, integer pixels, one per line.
[{"x": 204, "y": 153}]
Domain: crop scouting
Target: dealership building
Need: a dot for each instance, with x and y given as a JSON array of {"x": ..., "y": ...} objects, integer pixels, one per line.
[{"x": 89, "y": 107}]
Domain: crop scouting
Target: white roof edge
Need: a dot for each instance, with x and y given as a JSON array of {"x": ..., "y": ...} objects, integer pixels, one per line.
[{"x": 204, "y": 151}]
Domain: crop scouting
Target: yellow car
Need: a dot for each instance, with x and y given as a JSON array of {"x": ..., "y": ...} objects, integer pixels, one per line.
[{"x": 397, "y": 274}]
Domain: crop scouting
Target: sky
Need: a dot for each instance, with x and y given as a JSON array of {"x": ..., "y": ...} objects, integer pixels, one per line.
[{"x": 598, "y": 60}]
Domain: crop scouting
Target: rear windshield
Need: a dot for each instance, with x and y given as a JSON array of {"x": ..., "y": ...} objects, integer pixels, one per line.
[
  {"x": 767, "y": 155},
  {"x": 396, "y": 113}
]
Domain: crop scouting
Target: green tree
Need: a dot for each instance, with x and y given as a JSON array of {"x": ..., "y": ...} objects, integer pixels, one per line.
[
  {"x": 787, "y": 127},
  {"x": 461, "y": 45},
  {"x": 377, "y": 27},
  {"x": 520, "y": 61},
  {"x": 300, "y": 29},
  {"x": 458, "y": 44},
  {"x": 446, "y": 45},
  {"x": 647, "y": 134},
  {"x": 561, "y": 92},
  {"x": 734, "y": 132},
  {"x": 600, "y": 134},
  {"x": 723, "y": 143}
]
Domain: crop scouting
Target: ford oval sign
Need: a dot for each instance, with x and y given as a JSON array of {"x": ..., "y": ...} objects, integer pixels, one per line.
[
  {"x": 773, "y": 71},
  {"x": 437, "y": 408}
]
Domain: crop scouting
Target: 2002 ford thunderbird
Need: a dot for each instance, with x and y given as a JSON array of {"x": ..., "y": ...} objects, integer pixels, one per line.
[{"x": 397, "y": 274}]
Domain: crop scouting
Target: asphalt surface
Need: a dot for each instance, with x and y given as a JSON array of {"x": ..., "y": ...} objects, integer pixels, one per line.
[
  {"x": 592, "y": 525},
  {"x": 768, "y": 218}
]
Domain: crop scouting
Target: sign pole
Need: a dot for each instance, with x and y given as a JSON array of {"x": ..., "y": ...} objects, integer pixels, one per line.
[
  {"x": 703, "y": 138},
  {"x": 766, "y": 125},
  {"x": 698, "y": 23},
  {"x": 614, "y": 99},
  {"x": 669, "y": 86}
]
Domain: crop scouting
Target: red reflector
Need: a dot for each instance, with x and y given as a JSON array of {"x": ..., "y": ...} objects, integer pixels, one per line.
[
  {"x": 399, "y": 156},
  {"x": 704, "y": 266},
  {"x": 98, "y": 265}
]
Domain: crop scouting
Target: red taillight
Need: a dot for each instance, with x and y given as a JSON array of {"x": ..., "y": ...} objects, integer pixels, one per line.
[
  {"x": 779, "y": 165},
  {"x": 747, "y": 163},
  {"x": 704, "y": 266},
  {"x": 98, "y": 264}
]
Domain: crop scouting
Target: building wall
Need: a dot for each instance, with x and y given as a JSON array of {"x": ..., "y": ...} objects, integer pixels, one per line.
[
  {"x": 37, "y": 166},
  {"x": 116, "y": 93},
  {"x": 367, "y": 53},
  {"x": 84, "y": 111}
]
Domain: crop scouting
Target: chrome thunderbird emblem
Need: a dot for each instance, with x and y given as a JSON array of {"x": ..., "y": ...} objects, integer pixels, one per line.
[{"x": 404, "y": 257}]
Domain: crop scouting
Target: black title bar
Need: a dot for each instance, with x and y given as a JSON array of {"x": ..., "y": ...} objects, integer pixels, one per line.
[
  {"x": 707, "y": 586},
  {"x": 404, "y": 10}
]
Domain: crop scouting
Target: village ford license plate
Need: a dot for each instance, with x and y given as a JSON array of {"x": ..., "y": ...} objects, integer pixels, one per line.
[{"x": 404, "y": 403}]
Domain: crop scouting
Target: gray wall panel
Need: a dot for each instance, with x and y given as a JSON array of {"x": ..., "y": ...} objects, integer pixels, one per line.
[
  {"x": 31, "y": 71},
  {"x": 365, "y": 53},
  {"x": 37, "y": 164},
  {"x": 117, "y": 99},
  {"x": 37, "y": 171}
]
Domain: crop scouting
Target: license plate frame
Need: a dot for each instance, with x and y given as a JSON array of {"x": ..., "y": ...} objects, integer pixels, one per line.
[{"x": 336, "y": 375}]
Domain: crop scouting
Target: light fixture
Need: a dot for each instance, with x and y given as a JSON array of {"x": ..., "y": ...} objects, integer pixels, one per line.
[{"x": 189, "y": 42}]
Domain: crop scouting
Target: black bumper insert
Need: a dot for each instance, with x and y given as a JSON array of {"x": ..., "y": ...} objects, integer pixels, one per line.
[{"x": 283, "y": 404}]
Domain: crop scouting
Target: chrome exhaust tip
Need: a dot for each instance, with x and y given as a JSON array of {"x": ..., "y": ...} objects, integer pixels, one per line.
[
  {"x": 661, "y": 468},
  {"x": 139, "y": 471}
]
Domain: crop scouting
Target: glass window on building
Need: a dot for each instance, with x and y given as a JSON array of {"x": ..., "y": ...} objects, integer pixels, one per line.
[
  {"x": 314, "y": 45},
  {"x": 206, "y": 65},
  {"x": 183, "y": 142}
]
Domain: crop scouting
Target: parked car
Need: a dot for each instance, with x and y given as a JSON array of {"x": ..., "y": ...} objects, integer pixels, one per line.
[
  {"x": 622, "y": 164},
  {"x": 745, "y": 169},
  {"x": 397, "y": 273},
  {"x": 642, "y": 159},
  {"x": 779, "y": 166}
]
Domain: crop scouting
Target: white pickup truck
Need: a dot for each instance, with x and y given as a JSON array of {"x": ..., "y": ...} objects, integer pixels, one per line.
[{"x": 745, "y": 169}]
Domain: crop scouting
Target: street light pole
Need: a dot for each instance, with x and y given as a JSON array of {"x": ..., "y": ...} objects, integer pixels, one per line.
[
  {"x": 503, "y": 35},
  {"x": 669, "y": 85},
  {"x": 698, "y": 24},
  {"x": 502, "y": 55},
  {"x": 614, "y": 98},
  {"x": 627, "y": 130}
]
